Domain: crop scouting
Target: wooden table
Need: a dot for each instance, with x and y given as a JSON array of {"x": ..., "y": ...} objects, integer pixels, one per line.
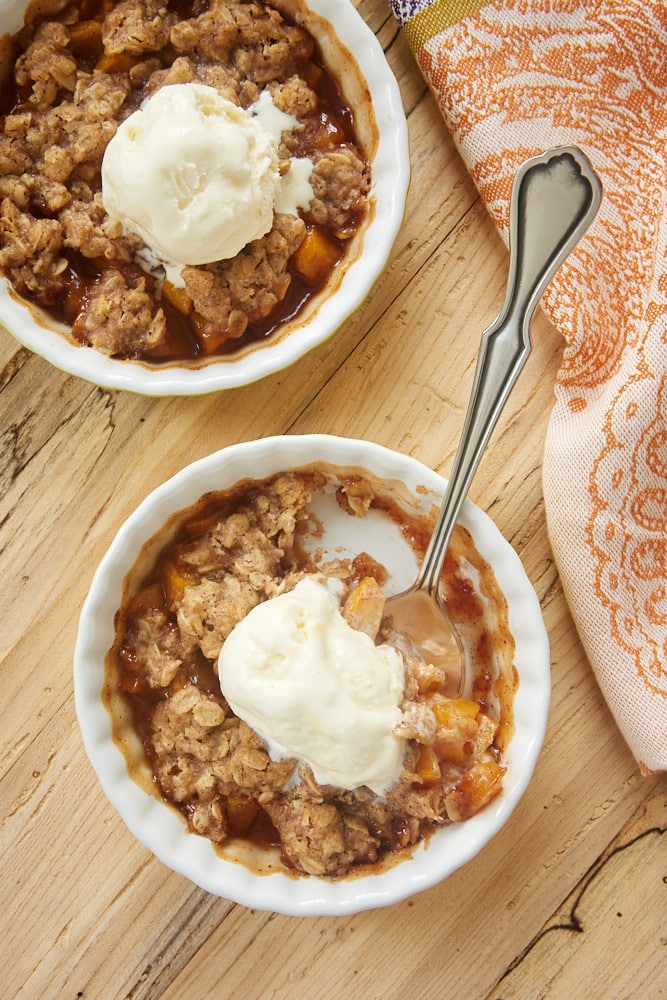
[{"x": 568, "y": 901}]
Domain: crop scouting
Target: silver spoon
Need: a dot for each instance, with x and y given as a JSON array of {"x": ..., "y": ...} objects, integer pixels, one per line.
[{"x": 555, "y": 197}]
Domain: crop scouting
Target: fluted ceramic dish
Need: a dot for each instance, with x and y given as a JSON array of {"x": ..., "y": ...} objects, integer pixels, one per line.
[
  {"x": 158, "y": 826},
  {"x": 354, "y": 54}
]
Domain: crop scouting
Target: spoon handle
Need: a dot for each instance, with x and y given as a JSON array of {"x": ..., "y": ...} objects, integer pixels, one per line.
[{"x": 555, "y": 197}]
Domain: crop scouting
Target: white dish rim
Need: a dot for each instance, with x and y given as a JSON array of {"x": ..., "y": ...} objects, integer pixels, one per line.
[
  {"x": 390, "y": 182},
  {"x": 159, "y": 828}
]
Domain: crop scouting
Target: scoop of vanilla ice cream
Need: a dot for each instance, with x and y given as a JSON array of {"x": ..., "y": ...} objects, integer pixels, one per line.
[
  {"x": 192, "y": 174},
  {"x": 316, "y": 689}
]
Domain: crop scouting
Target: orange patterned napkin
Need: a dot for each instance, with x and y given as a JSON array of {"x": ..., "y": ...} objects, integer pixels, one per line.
[{"x": 514, "y": 78}]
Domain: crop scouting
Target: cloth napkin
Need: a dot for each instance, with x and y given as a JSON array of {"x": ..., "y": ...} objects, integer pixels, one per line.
[{"x": 514, "y": 78}]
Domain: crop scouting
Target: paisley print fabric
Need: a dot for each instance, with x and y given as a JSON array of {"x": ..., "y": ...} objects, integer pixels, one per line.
[{"x": 514, "y": 78}]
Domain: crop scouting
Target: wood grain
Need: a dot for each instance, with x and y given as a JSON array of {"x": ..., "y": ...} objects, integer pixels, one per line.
[{"x": 568, "y": 901}]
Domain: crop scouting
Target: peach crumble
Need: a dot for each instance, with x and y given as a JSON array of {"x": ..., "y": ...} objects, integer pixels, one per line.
[
  {"x": 72, "y": 78},
  {"x": 217, "y": 564}
]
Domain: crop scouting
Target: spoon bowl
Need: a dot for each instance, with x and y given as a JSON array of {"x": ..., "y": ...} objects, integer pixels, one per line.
[{"x": 555, "y": 197}]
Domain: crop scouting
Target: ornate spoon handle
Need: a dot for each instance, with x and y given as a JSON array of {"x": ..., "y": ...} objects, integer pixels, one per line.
[{"x": 555, "y": 197}]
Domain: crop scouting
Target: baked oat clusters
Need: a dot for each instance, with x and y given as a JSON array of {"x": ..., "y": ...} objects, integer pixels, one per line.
[
  {"x": 226, "y": 556},
  {"x": 70, "y": 79}
]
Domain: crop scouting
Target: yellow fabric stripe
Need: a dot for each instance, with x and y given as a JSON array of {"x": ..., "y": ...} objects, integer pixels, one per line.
[{"x": 438, "y": 15}]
